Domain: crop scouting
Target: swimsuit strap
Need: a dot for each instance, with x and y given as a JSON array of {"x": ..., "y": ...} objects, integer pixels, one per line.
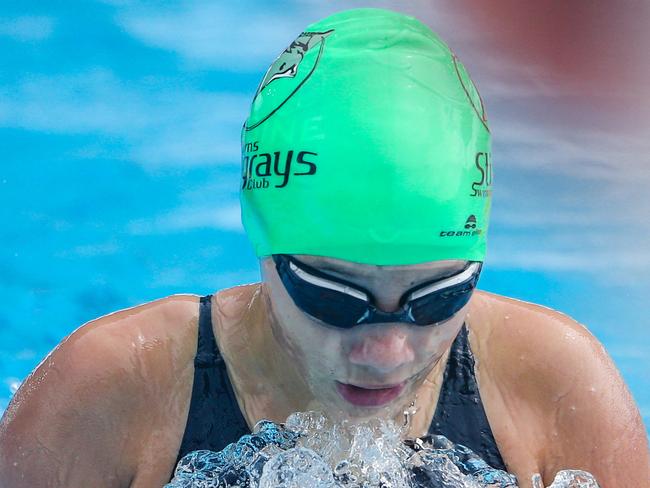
[
  {"x": 214, "y": 419},
  {"x": 207, "y": 354},
  {"x": 460, "y": 415}
]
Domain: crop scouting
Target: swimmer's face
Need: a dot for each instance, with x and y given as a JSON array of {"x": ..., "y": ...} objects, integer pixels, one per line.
[{"x": 334, "y": 361}]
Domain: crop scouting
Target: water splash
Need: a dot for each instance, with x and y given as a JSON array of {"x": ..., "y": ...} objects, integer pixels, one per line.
[
  {"x": 297, "y": 468},
  {"x": 568, "y": 478},
  {"x": 310, "y": 450}
]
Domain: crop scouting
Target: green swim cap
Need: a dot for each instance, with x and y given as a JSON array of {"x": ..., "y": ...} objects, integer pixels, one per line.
[{"x": 367, "y": 141}]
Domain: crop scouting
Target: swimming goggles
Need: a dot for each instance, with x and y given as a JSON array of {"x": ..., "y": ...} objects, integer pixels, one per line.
[{"x": 343, "y": 304}]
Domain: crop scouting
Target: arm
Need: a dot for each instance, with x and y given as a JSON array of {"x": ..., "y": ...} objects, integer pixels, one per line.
[
  {"x": 596, "y": 422},
  {"x": 62, "y": 428},
  {"x": 86, "y": 414},
  {"x": 555, "y": 399},
  {"x": 562, "y": 404}
]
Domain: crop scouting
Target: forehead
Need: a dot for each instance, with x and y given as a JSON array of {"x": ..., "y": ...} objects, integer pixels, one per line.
[{"x": 427, "y": 270}]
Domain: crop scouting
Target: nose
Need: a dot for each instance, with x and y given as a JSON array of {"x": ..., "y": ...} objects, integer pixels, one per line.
[{"x": 384, "y": 350}]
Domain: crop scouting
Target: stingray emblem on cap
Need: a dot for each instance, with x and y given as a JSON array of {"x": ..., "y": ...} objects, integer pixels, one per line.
[{"x": 295, "y": 64}]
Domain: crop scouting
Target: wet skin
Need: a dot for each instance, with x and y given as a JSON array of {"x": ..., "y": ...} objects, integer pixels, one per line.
[
  {"x": 107, "y": 408},
  {"x": 368, "y": 355}
]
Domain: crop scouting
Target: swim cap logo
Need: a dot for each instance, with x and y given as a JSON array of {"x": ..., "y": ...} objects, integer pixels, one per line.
[
  {"x": 482, "y": 187},
  {"x": 470, "y": 223},
  {"x": 469, "y": 230},
  {"x": 296, "y": 64}
]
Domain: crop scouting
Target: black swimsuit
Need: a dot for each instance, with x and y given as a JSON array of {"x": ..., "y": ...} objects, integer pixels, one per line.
[{"x": 214, "y": 419}]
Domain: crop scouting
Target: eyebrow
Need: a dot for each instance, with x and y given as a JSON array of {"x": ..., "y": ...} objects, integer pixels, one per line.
[
  {"x": 440, "y": 273},
  {"x": 328, "y": 267}
]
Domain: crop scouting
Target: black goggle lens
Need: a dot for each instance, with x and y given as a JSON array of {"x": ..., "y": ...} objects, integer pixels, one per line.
[
  {"x": 438, "y": 307},
  {"x": 344, "y": 305}
]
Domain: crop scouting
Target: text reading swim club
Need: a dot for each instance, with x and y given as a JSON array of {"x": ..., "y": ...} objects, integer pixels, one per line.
[{"x": 258, "y": 168}]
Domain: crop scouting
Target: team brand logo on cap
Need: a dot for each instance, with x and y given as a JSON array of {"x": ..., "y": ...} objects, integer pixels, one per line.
[
  {"x": 470, "y": 223},
  {"x": 470, "y": 229},
  {"x": 286, "y": 75}
]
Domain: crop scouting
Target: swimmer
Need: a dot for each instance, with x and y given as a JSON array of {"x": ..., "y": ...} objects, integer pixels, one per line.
[{"x": 365, "y": 192}]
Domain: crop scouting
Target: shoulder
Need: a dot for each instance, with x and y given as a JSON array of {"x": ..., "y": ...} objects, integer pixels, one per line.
[
  {"x": 522, "y": 340},
  {"x": 555, "y": 377},
  {"x": 109, "y": 345},
  {"x": 515, "y": 329},
  {"x": 94, "y": 387}
]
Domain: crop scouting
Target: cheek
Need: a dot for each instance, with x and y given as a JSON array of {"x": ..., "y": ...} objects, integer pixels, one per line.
[
  {"x": 316, "y": 348},
  {"x": 433, "y": 342}
]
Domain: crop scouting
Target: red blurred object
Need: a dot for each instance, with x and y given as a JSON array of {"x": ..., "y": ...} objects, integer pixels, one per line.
[{"x": 602, "y": 45}]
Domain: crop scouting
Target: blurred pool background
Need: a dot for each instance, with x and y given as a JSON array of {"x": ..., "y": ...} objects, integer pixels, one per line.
[{"x": 119, "y": 130}]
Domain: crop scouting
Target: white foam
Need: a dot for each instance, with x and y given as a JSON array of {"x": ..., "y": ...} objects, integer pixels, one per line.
[{"x": 310, "y": 450}]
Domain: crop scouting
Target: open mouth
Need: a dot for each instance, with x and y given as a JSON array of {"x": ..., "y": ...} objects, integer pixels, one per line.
[{"x": 369, "y": 396}]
